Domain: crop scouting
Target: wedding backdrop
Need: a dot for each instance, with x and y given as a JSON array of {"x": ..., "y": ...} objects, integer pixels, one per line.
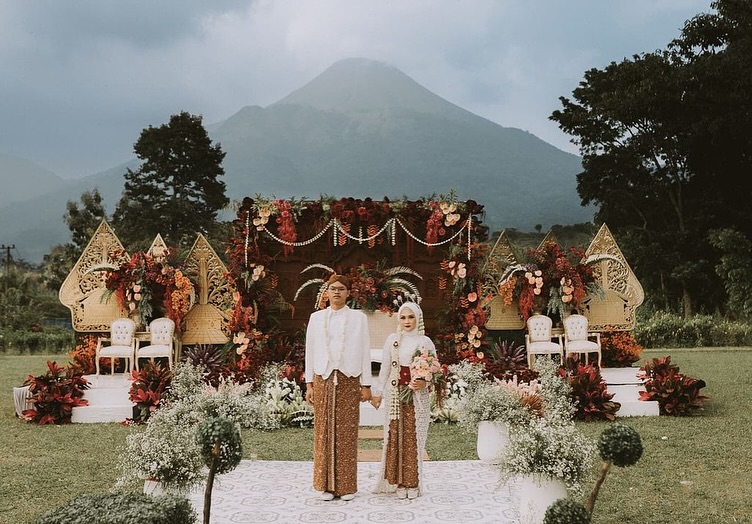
[{"x": 433, "y": 250}]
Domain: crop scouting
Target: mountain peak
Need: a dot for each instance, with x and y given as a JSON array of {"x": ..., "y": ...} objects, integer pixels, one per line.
[{"x": 362, "y": 85}]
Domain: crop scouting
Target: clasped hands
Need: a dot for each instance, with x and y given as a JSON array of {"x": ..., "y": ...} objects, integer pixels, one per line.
[{"x": 416, "y": 384}]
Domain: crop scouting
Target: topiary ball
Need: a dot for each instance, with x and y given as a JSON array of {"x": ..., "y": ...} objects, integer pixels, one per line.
[
  {"x": 620, "y": 444},
  {"x": 566, "y": 511},
  {"x": 224, "y": 431}
]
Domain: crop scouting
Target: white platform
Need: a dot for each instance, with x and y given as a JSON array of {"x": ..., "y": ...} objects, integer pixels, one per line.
[
  {"x": 625, "y": 385},
  {"x": 108, "y": 400}
]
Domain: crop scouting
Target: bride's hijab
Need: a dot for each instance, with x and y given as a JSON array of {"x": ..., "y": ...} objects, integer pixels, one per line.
[{"x": 415, "y": 308}]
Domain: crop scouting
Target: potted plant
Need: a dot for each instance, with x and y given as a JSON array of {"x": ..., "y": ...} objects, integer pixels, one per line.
[
  {"x": 166, "y": 451},
  {"x": 493, "y": 405},
  {"x": 547, "y": 455}
]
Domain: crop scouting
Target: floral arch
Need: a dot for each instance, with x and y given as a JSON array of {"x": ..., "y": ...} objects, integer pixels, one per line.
[{"x": 439, "y": 238}]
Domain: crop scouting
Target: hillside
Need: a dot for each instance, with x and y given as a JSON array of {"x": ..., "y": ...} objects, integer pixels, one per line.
[{"x": 22, "y": 179}]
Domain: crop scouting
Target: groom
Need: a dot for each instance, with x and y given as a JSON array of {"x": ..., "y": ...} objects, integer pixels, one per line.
[{"x": 338, "y": 377}]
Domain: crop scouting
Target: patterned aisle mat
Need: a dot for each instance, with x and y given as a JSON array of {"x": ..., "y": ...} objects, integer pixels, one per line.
[{"x": 280, "y": 492}]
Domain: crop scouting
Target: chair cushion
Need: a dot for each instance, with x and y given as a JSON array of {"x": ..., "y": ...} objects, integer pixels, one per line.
[
  {"x": 154, "y": 350},
  {"x": 116, "y": 351},
  {"x": 581, "y": 346},
  {"x": 544, "y": 347}
]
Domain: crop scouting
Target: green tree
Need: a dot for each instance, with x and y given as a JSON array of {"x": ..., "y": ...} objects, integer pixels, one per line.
[
  {"x": 644, "y": 138},
  {"x": 715, "y": 50},
  {"x": 177, "y": 191},
  {"x": 19, "y": 300},
  {"x": 735, "y": 269},
  {"x": 83, "y": 221}
]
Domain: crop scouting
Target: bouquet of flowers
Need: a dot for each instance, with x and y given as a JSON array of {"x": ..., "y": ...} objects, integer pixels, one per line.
[{"x": 425, "y": 366}]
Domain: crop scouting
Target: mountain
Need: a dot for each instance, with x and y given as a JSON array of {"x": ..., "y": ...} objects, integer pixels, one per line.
[
  {"x": 22, "y": 179},
  {"x": 361, "y": 128}
]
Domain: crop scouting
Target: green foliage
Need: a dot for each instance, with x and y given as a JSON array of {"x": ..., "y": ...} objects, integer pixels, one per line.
[
  {"x": 45, "y": 341},
  {"x": 122, "y": 508},
  {"x": 177, "y": 191},
  {"x": 668, "y": 330},
  {"x": 19, "y": 300},
  {"x": 621, "y": 444},
  {"x": 221, "y": 445},
  {"x": 83, "y": 221},
  {"x": 57, "y": 263},
  {"x": 566, "y": 511},
  {"x": 735, "y": 269},
  {"x": 678, "y": 485}
]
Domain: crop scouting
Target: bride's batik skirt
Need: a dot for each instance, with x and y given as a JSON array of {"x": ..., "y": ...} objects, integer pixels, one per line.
[
  {"x": 401, "y": 466},
  {"x": 335, "y": 433}
]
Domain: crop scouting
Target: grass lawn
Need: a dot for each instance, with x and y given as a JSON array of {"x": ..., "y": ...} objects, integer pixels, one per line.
[{"x": 694, "y": 469}]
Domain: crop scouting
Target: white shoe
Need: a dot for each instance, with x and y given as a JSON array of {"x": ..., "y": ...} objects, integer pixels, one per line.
[
  {"x": 401, "y": 493},
  {"x": 347, "y": 497},
  {"x": 412, "y": 493},
  {"x": 325, "y": 495}
]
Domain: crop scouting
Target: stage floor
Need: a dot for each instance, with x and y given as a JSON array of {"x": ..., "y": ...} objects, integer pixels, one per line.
[{"x": 260, "y": 491}]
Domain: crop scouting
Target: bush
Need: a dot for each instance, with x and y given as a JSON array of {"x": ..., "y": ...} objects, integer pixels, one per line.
[
  {"x": 676, "y": 394},
  {"x": 123, "y": 508},
  {"x": 619, "y": 349},
  {"x": 566, "y": 511},
  {"x": 148, "y": 389},
  {"x": 621, "y": 444},
  {"x": 49, "y": 341},
  {"x": 666, "y": 330},
  {"x": 55, "y": 394},
  {"x": 589, "y": 392}
]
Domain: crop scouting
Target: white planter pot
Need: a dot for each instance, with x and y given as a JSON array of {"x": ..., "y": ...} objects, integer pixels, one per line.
[
  {"x": 493, "y": 438},
  {"x": 536, "y": 495},
  {"x": 21, "y": 398},
  {"x": 153, "y": 487}
]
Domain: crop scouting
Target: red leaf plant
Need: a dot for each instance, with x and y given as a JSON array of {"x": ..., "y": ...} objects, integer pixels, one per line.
[
  {"x": 55, "y": 394},
  {"x": 589, "y": 392},
  {"x": 677, "y": 394},
  {"x": 150, "y": 383}
]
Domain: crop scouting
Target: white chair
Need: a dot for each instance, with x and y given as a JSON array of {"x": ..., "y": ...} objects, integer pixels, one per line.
[
  {"x": 122, "y": 344},
  {"x": 161, "y": 343},
  {"x": 577, "y": 339},
  {"x": 539, "y": 340}
]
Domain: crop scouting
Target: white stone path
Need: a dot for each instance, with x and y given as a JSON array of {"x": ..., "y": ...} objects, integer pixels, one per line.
[{"x": 280, "y": 492}]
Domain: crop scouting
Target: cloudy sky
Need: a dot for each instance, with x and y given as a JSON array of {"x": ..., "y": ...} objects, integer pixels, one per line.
[{"x": 80, "y": 79}]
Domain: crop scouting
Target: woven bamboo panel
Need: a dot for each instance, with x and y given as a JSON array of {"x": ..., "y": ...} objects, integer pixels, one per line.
[
  {"x": 83, "y": 290},
  {"x": 158, "y": 248},
  {"x": 623, "y": 292},
  {"x": 503, "y": 317},
  {"x": 206, "y": 322},
  {"x": 549, "y": 238}
]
